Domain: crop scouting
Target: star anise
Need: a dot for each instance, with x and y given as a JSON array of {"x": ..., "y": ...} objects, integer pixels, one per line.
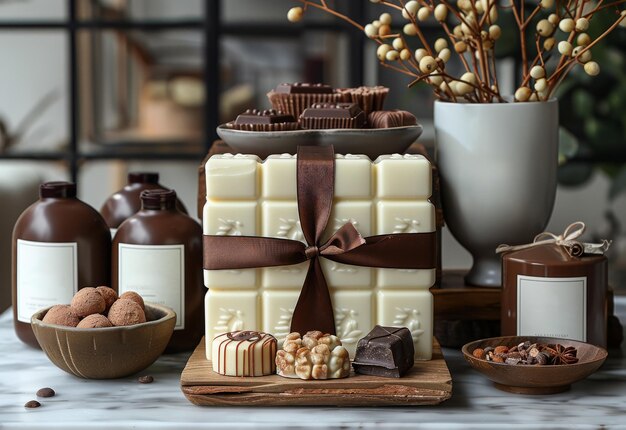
[{"x": 560, "y": 354}]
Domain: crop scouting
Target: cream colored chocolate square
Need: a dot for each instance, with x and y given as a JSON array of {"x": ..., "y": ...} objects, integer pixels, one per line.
[
  {"x": 278, "y": 309},
  {"x": 353, "y": 316},
  {"x": 228, "y": 311},
  {"x": 346, "y": 275},
  {"x": 279, "y": 178},
  {"x": 403, "y": 176},
  {"x": 410, "y": 309},
  {"x": 280, "y": 220},
  {"x": 222, "y": 171},
  {"x": 356, "y": 212},
  {"x": 230, "y": 218},
  {"x": 399, "y": 216},
  {"x": 355, "y": 176}
]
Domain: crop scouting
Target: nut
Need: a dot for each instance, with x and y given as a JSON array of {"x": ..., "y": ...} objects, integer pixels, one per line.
[
  {"x": 501, "y": 349},
  {"x": 31, "y": 404},
  {"x": 145, "y": 379},
  {"x": 45, "y": 392},
  {"x": 478, "y": 353},
  {"x": 316, "y": 355}
]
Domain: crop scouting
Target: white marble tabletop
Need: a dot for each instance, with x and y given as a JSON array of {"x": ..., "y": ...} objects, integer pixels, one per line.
[{"x": 599, "y": 401}]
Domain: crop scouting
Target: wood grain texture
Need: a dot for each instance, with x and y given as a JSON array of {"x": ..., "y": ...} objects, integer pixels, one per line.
[{"x": 427, "y": 383}]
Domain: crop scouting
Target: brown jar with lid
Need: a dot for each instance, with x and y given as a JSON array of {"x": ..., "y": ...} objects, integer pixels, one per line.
[
  {"x": 548, "y": 292},
  {"x": 158, "y": 253},
  {"x": 127, "y": 202},
  {"x": 60, "y": 244}
]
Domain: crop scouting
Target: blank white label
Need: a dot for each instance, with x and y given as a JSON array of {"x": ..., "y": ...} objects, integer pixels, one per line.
[
  {"x": 157, "y": 273},
  {"x": 552, "y": 307},
  {"x": 46, "y": 275}
]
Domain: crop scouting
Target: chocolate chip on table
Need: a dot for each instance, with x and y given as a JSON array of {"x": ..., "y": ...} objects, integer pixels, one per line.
[
  {"x": 31, "y": 404},
  {"x": 146, "y": 379},
  {"x": 45, "y": 392}
]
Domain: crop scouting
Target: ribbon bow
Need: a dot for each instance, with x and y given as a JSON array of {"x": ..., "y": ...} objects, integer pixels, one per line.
[
  {"x": 315, "y": 187},
  {"x": 567, "y": 240}
]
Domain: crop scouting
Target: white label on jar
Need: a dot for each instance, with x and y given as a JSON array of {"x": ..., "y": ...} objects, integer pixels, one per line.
[
  {"x": 46, "y": 274},
  {"x": 552, "y": 307},
  {"x": 156, "y": 273}
]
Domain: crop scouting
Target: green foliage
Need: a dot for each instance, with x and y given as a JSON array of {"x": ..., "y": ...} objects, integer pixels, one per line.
[{"x": 594, "y": 108}]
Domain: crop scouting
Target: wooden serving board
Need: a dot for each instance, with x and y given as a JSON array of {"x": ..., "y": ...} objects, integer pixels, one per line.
[{"x": 427, "y": 383}]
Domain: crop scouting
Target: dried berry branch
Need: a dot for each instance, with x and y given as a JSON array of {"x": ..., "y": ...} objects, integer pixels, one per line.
[{"x": 471, "y": 29}]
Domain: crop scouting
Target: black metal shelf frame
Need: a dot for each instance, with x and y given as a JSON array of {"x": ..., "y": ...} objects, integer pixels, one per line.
[{"x": 213, "y": 29}]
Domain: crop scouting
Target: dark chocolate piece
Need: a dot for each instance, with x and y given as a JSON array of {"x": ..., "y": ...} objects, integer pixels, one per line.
[
  {"x": 146, "y": 379},
  {"x": 45, "y": 392},
  {"x": 267, "y": 116},
  {"x": 333, "y": 115},
  {"x": 385, "y": 351},
  {"x": 390, "y": 118},
  {"x": 332, "y": 110},
  {"x": 304, "y": 88}
]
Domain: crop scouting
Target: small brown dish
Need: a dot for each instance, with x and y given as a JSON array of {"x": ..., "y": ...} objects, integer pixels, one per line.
[
  {"x": 535, "y": 379},
  {"x": 110, "y": 352}
]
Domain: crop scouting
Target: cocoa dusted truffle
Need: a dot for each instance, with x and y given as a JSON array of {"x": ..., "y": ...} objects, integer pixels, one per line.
[
  {"x": 126, "y": 312},
  {"x": 131, "y": 295},
  {"x": 62, "y": 315},
  {"x": 109, "y": 295},
  {"x": 88, "y": 301},
  {"x": 95, "y": 321}
]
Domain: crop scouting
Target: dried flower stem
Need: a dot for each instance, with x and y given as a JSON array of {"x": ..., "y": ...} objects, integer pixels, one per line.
[
  {"x": 600, "y": 6},
  {"x": 522, "y": 29},
  {"x": 574, "y": 59},
  {"x": 475, "y": 36},
  {"x": 453, "y": 40},
  {"x": 325, "y": 8}
]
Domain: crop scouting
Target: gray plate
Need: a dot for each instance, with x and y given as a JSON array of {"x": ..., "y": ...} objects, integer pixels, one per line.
[{"x": 371, "y": 142}]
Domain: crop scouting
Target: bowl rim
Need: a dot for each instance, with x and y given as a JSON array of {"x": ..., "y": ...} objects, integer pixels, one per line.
[
  {"x": 603, "y": 352},
  {"x": 222, "y": 127},
  {"x": 169, "y": 314}
]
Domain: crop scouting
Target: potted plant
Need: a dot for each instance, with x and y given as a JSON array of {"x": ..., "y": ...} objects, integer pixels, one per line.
[{"x": 497, "y": 154}]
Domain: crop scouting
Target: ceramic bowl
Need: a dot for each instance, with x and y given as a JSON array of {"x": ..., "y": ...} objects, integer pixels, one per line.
[
  {"x": 371, "y": 142},
  {"x": 530, "y": 379},
  {"x": 106, "y": 353}
]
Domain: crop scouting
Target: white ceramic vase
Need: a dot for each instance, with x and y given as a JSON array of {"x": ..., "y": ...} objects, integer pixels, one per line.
[{"x": 497, "y": 164}]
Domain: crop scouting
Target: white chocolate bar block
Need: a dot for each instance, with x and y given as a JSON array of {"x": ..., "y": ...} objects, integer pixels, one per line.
[{"x": 389, "y": 196}]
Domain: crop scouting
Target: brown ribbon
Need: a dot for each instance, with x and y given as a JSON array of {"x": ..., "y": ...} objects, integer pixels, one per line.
[{"x": 315, "y": 188}]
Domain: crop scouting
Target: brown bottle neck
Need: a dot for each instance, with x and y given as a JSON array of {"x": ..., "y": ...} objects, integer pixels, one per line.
[
  {"x": 143, "y": 178},
  {"x": 158, "y": 199}
]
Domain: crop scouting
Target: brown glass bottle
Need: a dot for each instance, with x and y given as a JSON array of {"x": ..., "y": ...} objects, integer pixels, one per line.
[
  {"x": 60, "y": 244},
  {"x": 127, "y": 202},
  {"x": 158, "y": 253}
]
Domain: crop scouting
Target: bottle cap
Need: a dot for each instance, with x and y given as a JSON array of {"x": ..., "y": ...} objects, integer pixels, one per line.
[{"x": 57, "y": 189}]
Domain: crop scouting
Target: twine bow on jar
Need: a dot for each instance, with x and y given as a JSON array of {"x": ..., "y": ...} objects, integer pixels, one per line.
[{"x": 567, "y": 240}]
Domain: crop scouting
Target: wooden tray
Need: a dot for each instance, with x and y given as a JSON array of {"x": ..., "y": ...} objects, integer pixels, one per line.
[{"x": 427, "y": 383}]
